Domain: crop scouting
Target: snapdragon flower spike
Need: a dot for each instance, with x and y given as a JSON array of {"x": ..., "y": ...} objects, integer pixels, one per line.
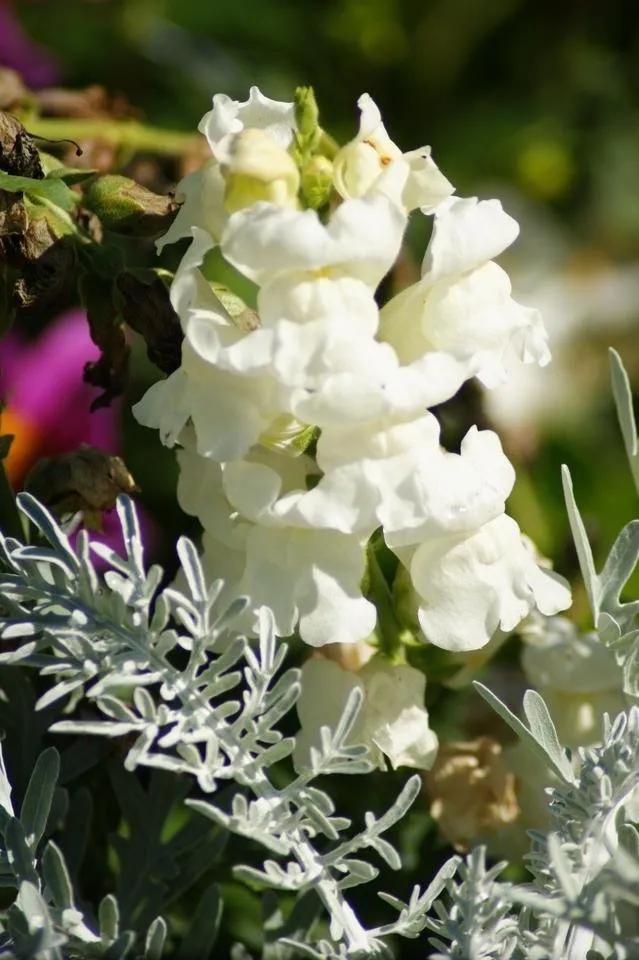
[{"x": 289, "y": 532}]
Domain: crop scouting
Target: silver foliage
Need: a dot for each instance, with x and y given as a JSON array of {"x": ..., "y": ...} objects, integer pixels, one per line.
[
  {"x": 115, "y": 642},
  {"x": 215, "y": 719}
]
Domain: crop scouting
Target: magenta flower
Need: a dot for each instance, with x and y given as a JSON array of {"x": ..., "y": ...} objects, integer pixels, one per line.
[
  {"x": 36, "y": 65},
  {"x": 47, "y": 404}
]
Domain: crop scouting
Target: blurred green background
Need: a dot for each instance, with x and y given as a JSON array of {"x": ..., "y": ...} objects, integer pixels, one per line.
[{"x": 536, "y": 103}]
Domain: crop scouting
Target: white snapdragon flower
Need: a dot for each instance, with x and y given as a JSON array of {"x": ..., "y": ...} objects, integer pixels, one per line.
[
  {"x": 228, "y": 413},
  {"x": 319, "y": 316},
  {"x": 316, "y": 302},
  {"x": 203, "y": 192},
  {"x": 228, "y": 117},
  {"x": 468, "y": 586},
  {"x": 578, "y": 677},
  {"x": 398, "y": 476},
  {"x": 361, "y": 240},
  {"x": 309, "y": 578},
  {"x": 392, "y": 723},
  {"x": 359, "y": 166},
  {"x": 462, "y": 305}
]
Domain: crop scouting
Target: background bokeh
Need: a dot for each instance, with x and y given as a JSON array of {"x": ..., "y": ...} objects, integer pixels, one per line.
[{"x": 533, "y": 102}]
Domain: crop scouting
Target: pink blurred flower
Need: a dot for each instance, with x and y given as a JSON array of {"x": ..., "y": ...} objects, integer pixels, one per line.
[
  {"x": 47, "y": 404},
  {"x": 36, "y": 65}
]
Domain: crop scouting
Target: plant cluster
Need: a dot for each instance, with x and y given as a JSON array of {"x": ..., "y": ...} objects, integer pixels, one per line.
[{"x": 334, "y": 518}]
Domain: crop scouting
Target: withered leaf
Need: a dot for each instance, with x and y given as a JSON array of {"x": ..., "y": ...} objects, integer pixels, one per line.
[
  {"x": 18, "y": 153},
  {"x": 108, "y": 333},
  {"x": 147, "y": 309},
  {"x": 86, "y": 480}
]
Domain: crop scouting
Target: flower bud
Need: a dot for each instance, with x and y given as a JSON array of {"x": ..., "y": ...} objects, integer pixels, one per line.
[
  {"x": 306, "y": 113},
  {"x": 87, "y": 480},
  {"x": 256, "y": 168},
  {"x": 317, "y": 182},
  {"x": 126, "y": 207}
]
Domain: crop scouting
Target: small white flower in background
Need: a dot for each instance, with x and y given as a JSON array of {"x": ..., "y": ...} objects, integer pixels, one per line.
[
  {"x": 577, "y": 676},
  {"x": 359, "y": 166},
  {"x": 462, "y": 304},
  {"x": 468, "y": 586},
  {"x": 392, "y": 723}
]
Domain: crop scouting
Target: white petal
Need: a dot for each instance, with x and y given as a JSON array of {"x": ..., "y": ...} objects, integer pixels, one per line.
[
  {"x": 311, "y": 576},
  {"x": 568, "y": 661},
  {"x": 466, "y": 234},
  {"x": 276, "y": 117},
  {"x": 426, "y": 187},
  {"x": 470, "y": 586},
  {"x": 325, "y": 689},
  {"x": 361, "y": 240},
  {"x": 202, "y": 196},
  {"x": 165, "y": 406}
]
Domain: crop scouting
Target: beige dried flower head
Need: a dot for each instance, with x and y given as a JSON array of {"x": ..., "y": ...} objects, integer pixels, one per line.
[{"x": 472, "y": 791}]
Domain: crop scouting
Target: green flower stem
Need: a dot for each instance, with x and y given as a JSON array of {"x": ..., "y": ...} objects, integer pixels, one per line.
[
  {"x": 388, "y": 627},
  {"x": 121, "y": 133}
]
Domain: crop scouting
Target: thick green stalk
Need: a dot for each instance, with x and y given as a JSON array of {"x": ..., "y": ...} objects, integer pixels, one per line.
[{"x": 121, "y": 133}]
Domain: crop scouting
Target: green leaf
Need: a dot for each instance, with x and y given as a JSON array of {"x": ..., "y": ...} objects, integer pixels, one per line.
[
  {"x": 543, "y": 730},
  {"x": 5, "y": 444},
  {"x": 71, "y": 175},
  {"x": 563, "y": 869},
  {"x": 19, "y": 851},
  {"x": 618, "y": 568},
  {"x": 109, "y": 917},
  {"x": 36, "y": 805},
  {"x": 204, "y": 926},
  {"x": 562, "y": 769},
  {"x": 155, "y": 939},
  {"x": 56, "y": 877},
  {"x": 625, "y": 412},
  {"x": 11, "y": 524},
  {"x": 582, "y": 546},
  {"x": 51, "y": 188}
]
